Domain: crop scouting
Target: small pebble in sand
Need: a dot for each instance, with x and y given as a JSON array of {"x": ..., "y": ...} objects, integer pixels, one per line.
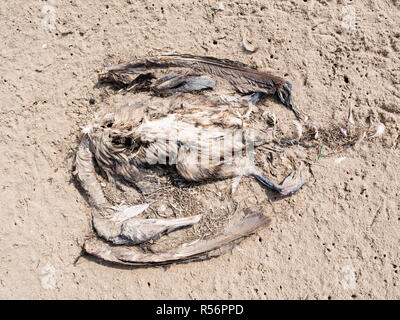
[{"x": 248, "y": 45}]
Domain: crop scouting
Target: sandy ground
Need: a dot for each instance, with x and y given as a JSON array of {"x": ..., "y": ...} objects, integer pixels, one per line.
[{"x": 338, "y": 238}]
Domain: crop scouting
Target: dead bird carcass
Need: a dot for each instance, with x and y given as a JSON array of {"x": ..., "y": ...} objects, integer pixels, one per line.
[{"x": 202, "y": 137}]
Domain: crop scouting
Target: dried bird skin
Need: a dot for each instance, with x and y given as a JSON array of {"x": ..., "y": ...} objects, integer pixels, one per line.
[
  {"x": 120, "y": 143},
  {"x": 101, "y": 144}
]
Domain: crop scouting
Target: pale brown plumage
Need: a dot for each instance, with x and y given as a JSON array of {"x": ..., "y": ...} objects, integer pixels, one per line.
[
  {"x": 178, "y": 131},
  {"x": 125, "y": 140}
]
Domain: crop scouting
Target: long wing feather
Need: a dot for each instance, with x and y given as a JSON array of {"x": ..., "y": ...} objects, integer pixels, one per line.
[
  {"x": 242, "y": 77},
  {"x": 85, "y": 173},
  {"x": 200, "y": 250}
]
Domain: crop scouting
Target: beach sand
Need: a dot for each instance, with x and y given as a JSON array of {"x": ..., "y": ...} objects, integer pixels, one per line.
[{"x": 338, "y": 238}]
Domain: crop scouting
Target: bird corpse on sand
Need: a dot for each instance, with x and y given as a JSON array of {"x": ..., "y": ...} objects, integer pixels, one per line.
[{"x": 201, "y": 137}]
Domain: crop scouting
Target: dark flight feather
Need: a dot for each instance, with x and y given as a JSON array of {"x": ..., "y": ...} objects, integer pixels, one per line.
[
  {"x": 200, "y": 250},
  {"x": 242, "y": 77}
]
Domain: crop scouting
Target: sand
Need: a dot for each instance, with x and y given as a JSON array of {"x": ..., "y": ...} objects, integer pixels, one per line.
[{"x": 338, "y": 238}]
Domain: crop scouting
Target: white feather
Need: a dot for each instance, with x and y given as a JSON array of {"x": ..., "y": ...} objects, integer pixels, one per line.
[
  {"x": 299, "y": 128},
  {"x": 380, "y": 129},
  {"x": 126, "y": 212},
  {"x": 235, "y": 183},
  {"x": 351, "y": 120}
]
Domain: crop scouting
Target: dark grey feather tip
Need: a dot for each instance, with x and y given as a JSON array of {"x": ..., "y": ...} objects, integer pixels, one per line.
[{"x": 285, "y": 96}]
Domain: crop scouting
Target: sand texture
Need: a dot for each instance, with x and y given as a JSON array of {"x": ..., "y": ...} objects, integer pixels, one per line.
[{"x": 337, "y": 238}]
